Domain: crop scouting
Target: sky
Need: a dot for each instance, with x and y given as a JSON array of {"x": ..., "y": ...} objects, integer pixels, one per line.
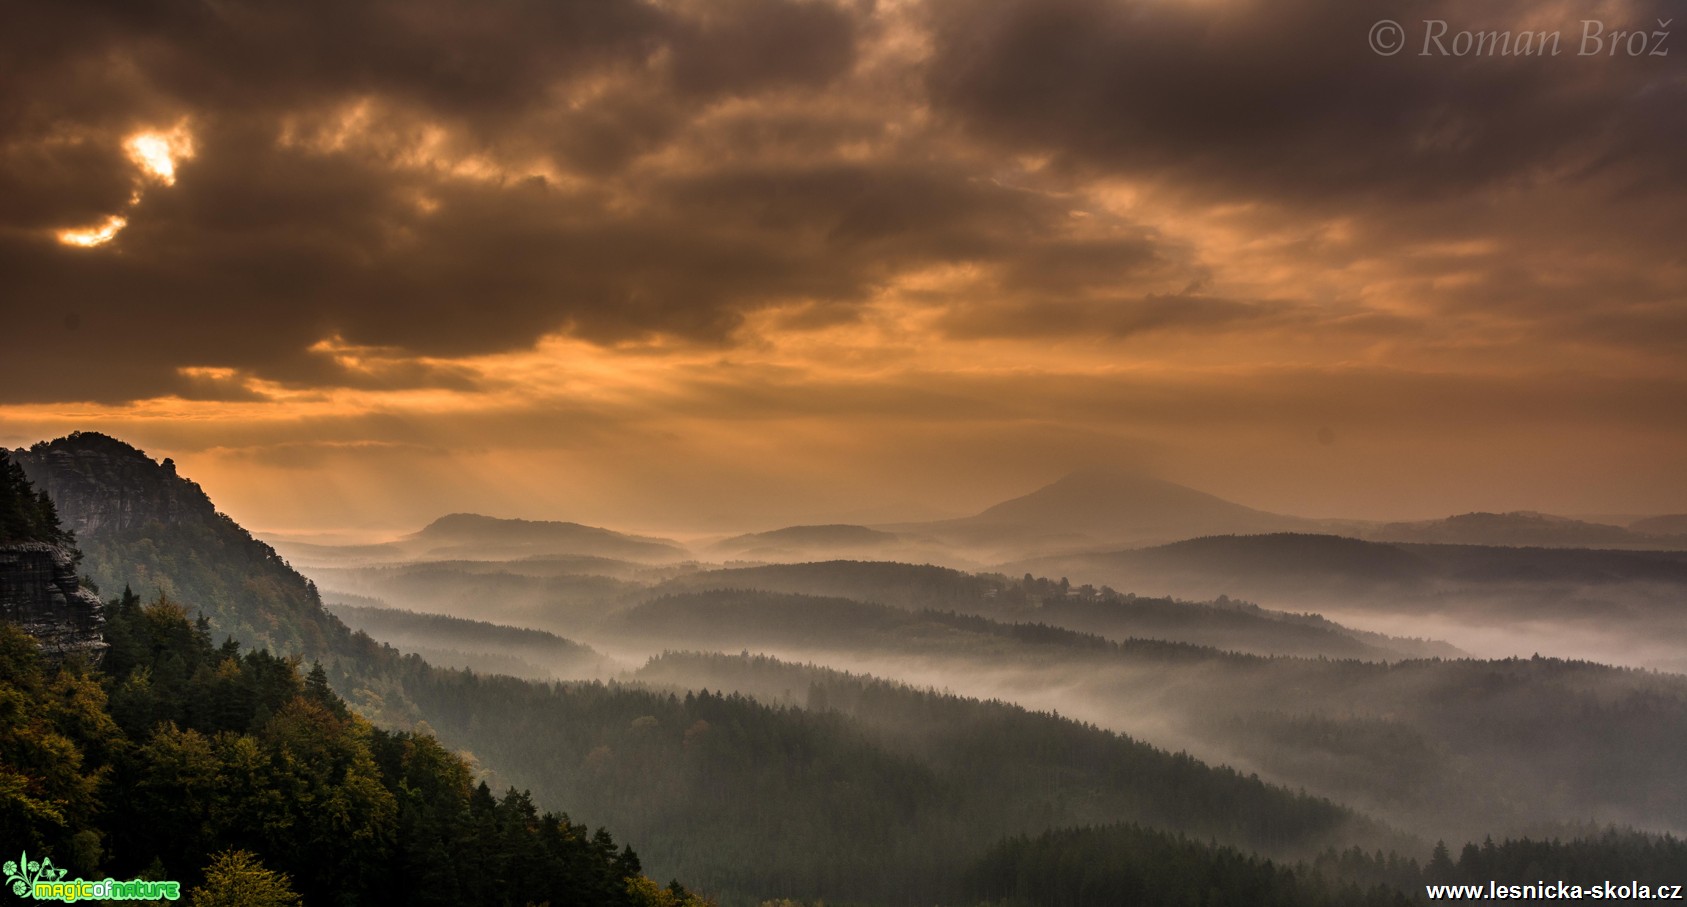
[{"x": 727, "y": 264}]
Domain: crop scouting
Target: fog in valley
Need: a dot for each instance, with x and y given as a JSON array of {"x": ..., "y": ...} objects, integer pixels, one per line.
[{"x": 1446, "y": 691}]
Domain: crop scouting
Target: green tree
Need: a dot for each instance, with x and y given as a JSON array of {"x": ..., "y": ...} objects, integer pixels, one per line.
[
  {"x": 236, "y": 878},
  {"x": 54, "y": 731}
]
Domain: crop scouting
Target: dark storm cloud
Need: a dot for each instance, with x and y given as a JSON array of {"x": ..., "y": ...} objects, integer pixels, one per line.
[
  {"x": 1536, "y": 200},
  {"x": 442, "y": 178},
  {"x": 1287, "y": 99},
  {"x": 71, "y": 178},
  {"x": 452, "y": 56},
  {"x": 280, "y": 232},
  {"x": 260, "y": 250},
  {"x": 304, "y": 213}
]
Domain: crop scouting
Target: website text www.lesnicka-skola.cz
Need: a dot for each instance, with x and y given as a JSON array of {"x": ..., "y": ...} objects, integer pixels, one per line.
[{"x": 1555, "y": 891}]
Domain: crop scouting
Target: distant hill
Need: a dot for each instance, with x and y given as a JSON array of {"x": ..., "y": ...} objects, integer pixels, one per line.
[
  {"x": 1609, "y": 605},
  {"x": 835, "y": 539},
  {"x": 467, "y": 534},
  {"x": 1526, "y": 529},
  {"x": 477, "y": 645},
  {"x": 1301, "y": 562},
  {"x": 1234, "y": 626},
  {"x": 472, "y": 536},
  {"x": 1669, "y": 524},
  {"x": 1099, "y": 507}
]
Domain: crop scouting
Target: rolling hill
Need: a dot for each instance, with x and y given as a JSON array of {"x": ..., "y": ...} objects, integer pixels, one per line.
[{"x": 471, "y": 536}]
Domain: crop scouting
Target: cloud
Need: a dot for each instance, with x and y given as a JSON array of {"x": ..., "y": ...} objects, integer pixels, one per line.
[
  {"x": 371, "y": 171},
  {"x": 1104, "y": 317}
]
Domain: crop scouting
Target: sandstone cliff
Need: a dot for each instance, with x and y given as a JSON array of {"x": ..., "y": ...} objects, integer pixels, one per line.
[
  {"x": 102, "y": 485},
  {"x": 39, "y": 587},
  {"x": 40, "y": 592}
]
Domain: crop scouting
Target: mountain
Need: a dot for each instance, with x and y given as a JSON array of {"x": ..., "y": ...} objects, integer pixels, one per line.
[
  {"x": 471, "y": 536},
  {"x": 1100, "y": 507},
  {"x": 140, "y": 524},
  {"x": 103, "y": 486},
  {"x": 466, "y": 534}
]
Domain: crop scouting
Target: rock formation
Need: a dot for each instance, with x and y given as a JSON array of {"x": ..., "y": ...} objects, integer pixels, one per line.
[
  {"x": 103, "y": 485},
  {"x": 40, "y": 592},
  {"x": 39, "y": 587}
]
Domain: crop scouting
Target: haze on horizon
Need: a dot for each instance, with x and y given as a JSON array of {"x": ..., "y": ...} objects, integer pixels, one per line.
[{"x": 704, "y": 266}]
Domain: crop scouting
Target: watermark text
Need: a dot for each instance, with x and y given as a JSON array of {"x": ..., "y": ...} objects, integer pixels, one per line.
[{"x": 1593, "y": 38}]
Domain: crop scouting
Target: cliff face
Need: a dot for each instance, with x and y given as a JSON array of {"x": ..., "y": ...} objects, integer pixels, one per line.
[
  {"x": 102, "y": 485},
  {"x": 40, "y": 592},
  {"x": 39, "y": 587}
]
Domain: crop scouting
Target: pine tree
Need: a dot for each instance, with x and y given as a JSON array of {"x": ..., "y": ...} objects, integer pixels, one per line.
[{"x": 1440, "y": 868}]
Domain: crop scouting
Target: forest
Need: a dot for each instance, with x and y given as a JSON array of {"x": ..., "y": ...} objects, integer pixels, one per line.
[{"x": 221, "y": 767}]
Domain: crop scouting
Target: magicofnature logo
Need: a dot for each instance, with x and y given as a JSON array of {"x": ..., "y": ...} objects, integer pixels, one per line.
[{"x": 40, "y": 880}]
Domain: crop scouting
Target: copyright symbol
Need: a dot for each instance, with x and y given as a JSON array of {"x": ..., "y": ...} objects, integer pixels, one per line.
[{"x": 1387, "y": 37}]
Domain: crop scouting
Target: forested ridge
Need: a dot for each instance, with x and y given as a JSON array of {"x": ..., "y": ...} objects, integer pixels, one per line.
[
  {"x": 1442, "y": 747},
  {"x": 1221, "y": 623},
  {"x": 176, "y": 751},
  {"x": 480, "y": 646}
]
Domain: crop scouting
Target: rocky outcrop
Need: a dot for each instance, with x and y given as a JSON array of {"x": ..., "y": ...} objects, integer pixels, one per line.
[
  {"x": 40, "y": 592},
  {"x": 141, "y": 525},
  {"x": 103, "y": 485}
]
